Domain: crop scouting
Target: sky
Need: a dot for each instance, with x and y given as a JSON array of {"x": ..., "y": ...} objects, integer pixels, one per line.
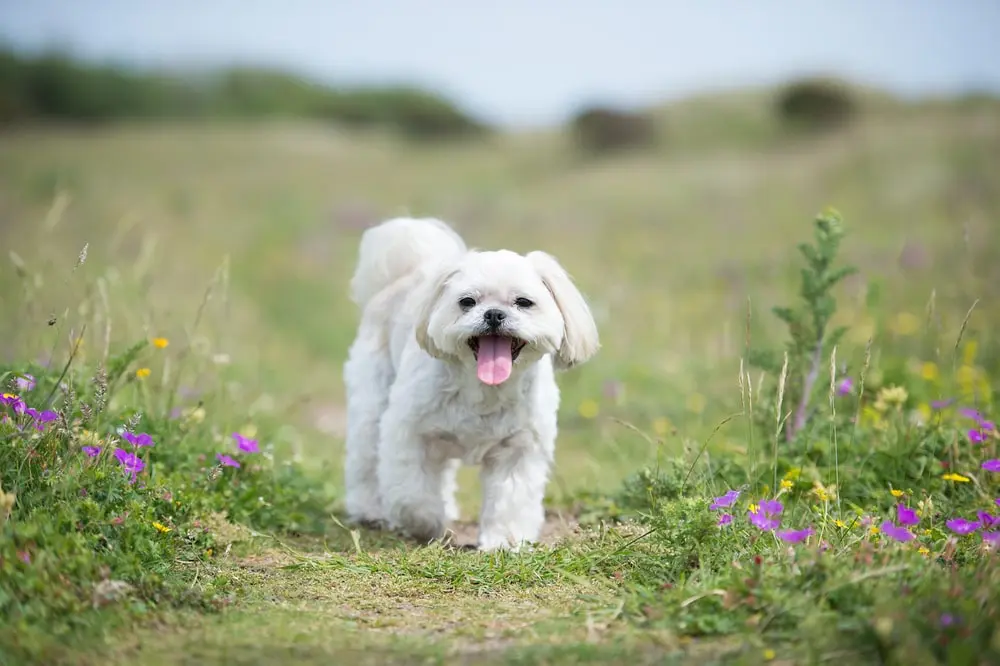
[{"x": 524, "y": 63}]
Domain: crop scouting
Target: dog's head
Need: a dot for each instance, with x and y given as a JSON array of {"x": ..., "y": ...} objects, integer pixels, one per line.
[{"x": 497, "y": 311}]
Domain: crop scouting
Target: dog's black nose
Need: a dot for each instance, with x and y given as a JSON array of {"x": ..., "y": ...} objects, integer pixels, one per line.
[{"x": 494, "y": 317}]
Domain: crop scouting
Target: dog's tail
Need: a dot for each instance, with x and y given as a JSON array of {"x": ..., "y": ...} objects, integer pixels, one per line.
[{"x": 397, "y": 247}]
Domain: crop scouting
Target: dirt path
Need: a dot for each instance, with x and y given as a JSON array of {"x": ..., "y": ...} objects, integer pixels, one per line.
[{"x": 558, "y": 525}]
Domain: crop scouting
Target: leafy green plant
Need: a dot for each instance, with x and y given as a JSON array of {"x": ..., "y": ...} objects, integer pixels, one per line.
[
  {"x": 100, "y": 503},
  {"x": 811, "y": 338}
]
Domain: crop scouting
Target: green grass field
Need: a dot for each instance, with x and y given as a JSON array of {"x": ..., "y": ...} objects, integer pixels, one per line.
[{"x": 235, "y": 243}]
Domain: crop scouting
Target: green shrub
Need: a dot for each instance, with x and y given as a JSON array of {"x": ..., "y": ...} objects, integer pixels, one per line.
[
  {"x": 601, "y": 131},
  {"x": 55, "y": 86},
  {"x": 815, "y": 105}
]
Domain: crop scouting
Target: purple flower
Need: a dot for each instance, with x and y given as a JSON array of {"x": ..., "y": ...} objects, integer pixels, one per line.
[
  {"x": 763, "y": 521},
  {"x": 766, "y": 515},
  {"x": 25, "y": 382},
  {"x": 130, "y": 462},
  {"x": 142, "y": 439},
  {"x": 997, "y": 501},
  {"x": 724, "y": 520},
  {"x": 992, "y": 465},
  {"x": 41, "y": 418},
  {"x": 725, "y": 501},
  {"x": 92, "y": 451},
  {"x": 845, "y": 386},
  {"x": 906, "y": 515},
  {"x": 15, "y": 402},
  {"x": 941, "y": 404},
  {"x": 977, "y": 436},
  {"x": 771, "y": 507},
  {"x": 794, "y": 536},
  {"x": 992, "y": 538},
  {"x": 947, "y": 619},
  {"x": 986, "y": 520},
  {"x": 962, "y": 526},
  {"x": 896, "y": 532},
  {"x": 970, "y": 413},
  {"x": 226, "y": 460},
  {"x": 245, "y": 444}
]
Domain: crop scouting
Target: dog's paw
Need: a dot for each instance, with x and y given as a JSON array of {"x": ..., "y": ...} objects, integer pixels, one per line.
[
  {"x": 366, "y": 517},
  {"x": 374, "y": 524},
  {"x": 492, "y": 541},
  {"x": 422, "y": 525}
]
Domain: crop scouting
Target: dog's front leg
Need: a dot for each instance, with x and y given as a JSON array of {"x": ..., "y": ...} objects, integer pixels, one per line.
[
  {"x": 411, "y": 482},
  {"x": 513, "y": 477}
]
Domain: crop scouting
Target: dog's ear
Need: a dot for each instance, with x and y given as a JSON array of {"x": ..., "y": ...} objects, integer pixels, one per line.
[
  {"x": 580, "y": 340},
  {"x": 426, "y": 300}
]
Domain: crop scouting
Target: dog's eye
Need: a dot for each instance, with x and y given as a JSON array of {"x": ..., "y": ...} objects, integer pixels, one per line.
[
  {"x": 524, "y": 302},
  {"x": 467, "y": 302}
]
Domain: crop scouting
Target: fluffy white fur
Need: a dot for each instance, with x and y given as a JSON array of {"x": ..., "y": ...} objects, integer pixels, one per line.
[{"x": 416, "y": 408}]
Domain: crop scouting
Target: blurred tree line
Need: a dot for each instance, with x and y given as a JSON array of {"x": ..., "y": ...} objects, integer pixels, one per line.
[{"x": 56, "y": 86}]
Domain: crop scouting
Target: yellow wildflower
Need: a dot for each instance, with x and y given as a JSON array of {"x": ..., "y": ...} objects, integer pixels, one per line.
[
  {"x": 969, "y": 352},
  {"x": 793, "y": 474},
  {"x": 839, "y": 523},
  {"x": 967, "y": 377},
  {"x": 923, "y": 550},
  {"x": 142, "y": 373},
  {"x": 752, "y": 508},
  {"x": 906, "y": 323},
  {"x": 696, "y": 403},
  {"x": 589, "y": 409},
  {"x": 208, "y": 552},
  {"x": 951, "y": 476},
  {"x": 985, "y": 390},
  {"x": 929, "y": 371},
  {"x": 890, "y": 396},
  {"x": 896, "y": 493},
  {"x": 871, "y": 416},
  {"x": 786, "y": 484},
  {"x": 824, "y": 493},
  {"x": 769, "y": 654},
  {"x": 160, "y": 527},
  {"x": 873, "y": 529},
  {"x": 160, "y": 343}
]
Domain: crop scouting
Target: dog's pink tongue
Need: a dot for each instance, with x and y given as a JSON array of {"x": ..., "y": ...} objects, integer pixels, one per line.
[{"x": 495, "y": 362}]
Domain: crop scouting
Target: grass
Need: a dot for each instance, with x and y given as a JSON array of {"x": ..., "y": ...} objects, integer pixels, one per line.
[{"x": 234, "y": 245}]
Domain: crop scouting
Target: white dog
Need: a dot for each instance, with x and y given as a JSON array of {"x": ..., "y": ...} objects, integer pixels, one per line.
[{"x": 454, "y": 363}]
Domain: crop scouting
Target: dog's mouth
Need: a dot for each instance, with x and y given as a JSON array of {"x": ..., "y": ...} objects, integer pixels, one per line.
[
  {"x": 495, "y": 356},
  {"x": 516, "y": 344}
]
